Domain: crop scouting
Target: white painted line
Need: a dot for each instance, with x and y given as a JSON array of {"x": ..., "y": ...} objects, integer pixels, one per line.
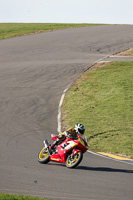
[
  {"x": 102, "y": 61},
  {"x": 60, "y": 106},
  {"x": 64, "y": 93},
  {"x": 121, "y": 56},
  {"x": 97, "y": 154}
]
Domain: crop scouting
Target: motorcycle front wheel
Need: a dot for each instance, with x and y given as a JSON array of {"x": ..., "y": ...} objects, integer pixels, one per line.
[
  {"x": 43, "y": 156},
  {"x": 74, "y": 160}
]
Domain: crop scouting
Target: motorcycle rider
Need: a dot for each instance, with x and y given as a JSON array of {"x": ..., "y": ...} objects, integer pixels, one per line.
[{"x": 72, "y": 133}]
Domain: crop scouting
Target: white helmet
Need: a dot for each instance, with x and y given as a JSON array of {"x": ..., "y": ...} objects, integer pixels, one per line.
[{"x": 80, "y": 129}]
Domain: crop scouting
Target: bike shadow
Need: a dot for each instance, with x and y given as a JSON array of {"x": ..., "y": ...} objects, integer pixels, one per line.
[
  {"x": 98, "y": 169},
  {"x": 104, "y": 169}
]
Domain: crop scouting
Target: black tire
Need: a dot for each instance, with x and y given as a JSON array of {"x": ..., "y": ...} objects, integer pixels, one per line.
[
  {"x": 73, "y": 161},
  {"x": 43, "y": 156}
]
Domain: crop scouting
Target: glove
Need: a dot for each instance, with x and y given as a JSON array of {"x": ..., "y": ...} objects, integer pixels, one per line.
[{"x": 61, "y": 137}]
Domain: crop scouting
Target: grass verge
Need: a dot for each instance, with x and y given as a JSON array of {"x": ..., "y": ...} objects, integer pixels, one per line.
[
  {"x": 128, "y": 52},
  {"x": 131, "y": 52},
  {"x": 18, "y": 197},
  {"x": 102, "y": 100},
  {"x": 8, "y": 30}
]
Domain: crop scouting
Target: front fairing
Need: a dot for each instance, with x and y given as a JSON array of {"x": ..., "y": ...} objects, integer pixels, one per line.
[
  {"x": 71, "y": 144},
  {"x": 67, "y": 146},
  {"x": 83, "y": 144},
  {"x": 54, "y": 137},
  {"x": 79, "y": 143},
  {"x": 61, "y": 154}
]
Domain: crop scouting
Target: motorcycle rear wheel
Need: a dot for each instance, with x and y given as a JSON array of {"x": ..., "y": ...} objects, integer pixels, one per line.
[
  {"x": 73, "y": 161},
  {"x": 43, "y": 156}
]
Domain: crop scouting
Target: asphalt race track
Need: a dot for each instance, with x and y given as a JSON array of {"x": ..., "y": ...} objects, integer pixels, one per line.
[{"x": 34, "y": 71}]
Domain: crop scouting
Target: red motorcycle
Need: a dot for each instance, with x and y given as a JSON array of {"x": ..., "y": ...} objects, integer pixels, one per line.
[{"x": 69, "y": 151}]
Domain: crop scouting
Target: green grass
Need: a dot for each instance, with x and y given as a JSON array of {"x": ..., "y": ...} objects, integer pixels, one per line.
[
  {"x": 131, "y": 51},
  {"x": 102, "y": 100},
  {"x": 18, "y": 197},
  {"x": 8, "y": 30}
]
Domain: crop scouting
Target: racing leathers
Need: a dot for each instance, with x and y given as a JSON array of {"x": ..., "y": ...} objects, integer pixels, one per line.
[{"x": 70, "y": 133}]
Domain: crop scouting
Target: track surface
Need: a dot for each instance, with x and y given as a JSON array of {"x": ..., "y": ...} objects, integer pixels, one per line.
[{"x": 34, "y": 70}]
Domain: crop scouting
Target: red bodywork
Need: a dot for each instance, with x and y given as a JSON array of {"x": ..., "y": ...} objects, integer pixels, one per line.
[{"x": 69, "y": 145}]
